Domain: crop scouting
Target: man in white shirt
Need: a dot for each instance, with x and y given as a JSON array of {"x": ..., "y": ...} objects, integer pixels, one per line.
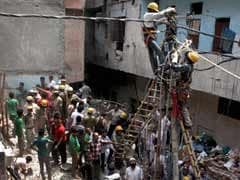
[
  {"x": 75, "y": 114},
  {"x": 133, "y": 172},
  {"x": 150, "y": 31}
]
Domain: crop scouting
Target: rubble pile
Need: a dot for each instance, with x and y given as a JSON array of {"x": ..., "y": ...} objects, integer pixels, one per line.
[{"x": 221, "y": 162}]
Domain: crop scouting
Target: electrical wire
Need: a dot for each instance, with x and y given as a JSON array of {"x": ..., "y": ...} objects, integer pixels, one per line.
[
  {"x": 221, "y": 62},
  {"x": 206, "y": 34},
  {"x": 112, "y": 19}
]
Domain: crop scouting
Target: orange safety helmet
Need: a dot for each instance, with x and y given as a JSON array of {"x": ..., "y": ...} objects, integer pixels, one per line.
[{"x": 44, "y": 103}]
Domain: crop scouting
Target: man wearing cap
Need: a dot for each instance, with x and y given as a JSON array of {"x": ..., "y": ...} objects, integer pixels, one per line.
[
  {"x": 30, "y": 102},
  {"x": 89, "y": 121},
  {"x": 41, "y": 115},
  {"x": 29, "y": 120},
  {"x": 133, "y": 172}
]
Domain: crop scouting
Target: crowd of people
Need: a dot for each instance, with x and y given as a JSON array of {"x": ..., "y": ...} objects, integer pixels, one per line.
[{"x": 59, "y": 122}]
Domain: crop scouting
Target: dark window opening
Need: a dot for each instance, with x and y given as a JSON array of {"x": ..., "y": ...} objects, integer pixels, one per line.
[
  {"x": 118, "y": 34},
  {"x": 114, "y": 96},
  {"x": 194, "y": 36},
  {"x": 229, "y": 108},
  {"x": 196, "y": 8},
  {"x": 73, "y": 12},
  {"x": 221, "y": 24}
]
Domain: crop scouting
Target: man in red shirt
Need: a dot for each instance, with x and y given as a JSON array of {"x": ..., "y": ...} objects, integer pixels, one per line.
[{"x": 59, "y": 145}]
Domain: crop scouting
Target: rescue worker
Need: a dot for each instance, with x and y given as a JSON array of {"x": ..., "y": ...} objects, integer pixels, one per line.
[
  {"x": 150, "y": 31},
  {"x": 30, "y": 102},
  {"x": 118, "y": 142},
  {"x": 123, "y": 120},
  {"x": 41, "y": 116},
  {"x": 89, "y": 121},
  {"x": 183, "y": 84},
  {"x": 29, "y": 120}
]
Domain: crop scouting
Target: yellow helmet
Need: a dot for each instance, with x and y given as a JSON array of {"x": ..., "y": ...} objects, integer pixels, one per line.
[
  {"x": 90, "y": 110},
  {"x": 29, "y": 98},
  {"x": 118, "y": 128},
  {"x": 123, "y": 115},
  {"x": 44, "y": 103},
  {"x": 193, "y": 56},
  {"x": 61, "y": 87},
  {"x": 153, "y": 6}
]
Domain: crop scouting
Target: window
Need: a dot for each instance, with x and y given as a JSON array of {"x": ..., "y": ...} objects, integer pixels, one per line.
[
  {"x": 194, "y": 36},
  {"x": 229, "y": 108},
  {"x": 196, "y": 8},
  {"x": 73, "y": 12},
  {"x": 118, "y": 33},
  {"x": 221, "y": 23}
]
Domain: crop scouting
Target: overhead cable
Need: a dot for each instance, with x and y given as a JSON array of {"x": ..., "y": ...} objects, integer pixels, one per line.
[
  {"x": 220, "y": 67},
  {"x": 110, "y": 19},
  {"x": 221, "y": 62}
]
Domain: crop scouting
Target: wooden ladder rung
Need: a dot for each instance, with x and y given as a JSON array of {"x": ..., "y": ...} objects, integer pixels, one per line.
[
  {"x": 153, "y": 97},
  {"x": 147, "y": 103},
  {"x": 147, "y": 110},
  {"x": 132, "y": 131},
  {"x": 136, "y": 120}
]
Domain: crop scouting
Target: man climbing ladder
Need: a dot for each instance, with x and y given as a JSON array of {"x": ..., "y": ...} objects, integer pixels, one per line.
[{"x": 150, "y": 31}]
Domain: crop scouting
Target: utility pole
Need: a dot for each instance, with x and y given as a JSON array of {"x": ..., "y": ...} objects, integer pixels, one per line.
[
  {"x": 171, "y": 32},
  {"x": 159, "y": 167}
]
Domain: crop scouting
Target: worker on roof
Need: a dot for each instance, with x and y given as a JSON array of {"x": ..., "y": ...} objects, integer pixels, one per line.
[{"x": 150, "y": 31}]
